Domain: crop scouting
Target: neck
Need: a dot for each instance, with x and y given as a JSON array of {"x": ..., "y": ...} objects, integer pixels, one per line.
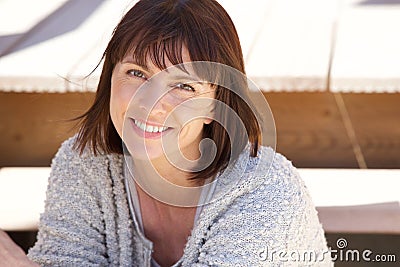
[
  {"x": 174, "y": 168},
  {"x": 170, "y": 186}
]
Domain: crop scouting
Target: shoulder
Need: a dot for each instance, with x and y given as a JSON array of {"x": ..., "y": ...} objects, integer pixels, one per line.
[
  {"x": 82, "y": 199},
  {"x": 270, "y": 196},
  {"x": 265, "y": 186},
  {"x": 69, "y": 156},
  {"x": 280, "y": 177},
  {"x": 278, "y": 203},
  {"x": 80, "y": 178},
  {"x": 268, "y": 207},
  {"x": 69, "y": 153},
  {"x": 268, "y": 175},
  {"x": 275, "y": 184},
  {"x": 73, "y": 168}
]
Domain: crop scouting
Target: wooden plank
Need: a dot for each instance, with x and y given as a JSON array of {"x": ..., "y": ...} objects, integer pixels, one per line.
[
  {"x": 33, "y": 125},
  {"x": 340, "y": 210},
  {"x": 376, "y": 121},
  {"x": 309, "y": 128},
  {"x": 352, "y": 187},
  {"x": 249, "y": 19},
  {"x": 21, "y": 71},
  {"x": 310, "y": 131},
  {"x": 367, "y": 55},
  {"x": 71, "y": 59},
  {"x": 15, "y": 21},
  {"x": 292, "y": 51},
  {"x": 22, "y": 196},
  {"x": 383, "y": 218},
  {"x": 108, "y": 18},
  {"x": 354, "y": 200}
]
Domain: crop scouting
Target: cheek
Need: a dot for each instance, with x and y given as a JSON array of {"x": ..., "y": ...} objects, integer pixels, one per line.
[
  {"x": 191, "y": 131},
  {"x": 119, "y": 101}
]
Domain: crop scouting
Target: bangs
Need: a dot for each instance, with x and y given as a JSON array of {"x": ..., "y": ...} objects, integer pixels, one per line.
[
  {"x": 158, "y": 34},
  {"x": 156, "y": 31},
  {"x": 144, "y": 48}
]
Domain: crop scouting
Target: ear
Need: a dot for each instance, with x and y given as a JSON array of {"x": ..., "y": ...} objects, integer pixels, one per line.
[
  {"x": 209, "y": 117},
  {"x": 208, "y": 120},
  {"x": 211, "y": 108}
]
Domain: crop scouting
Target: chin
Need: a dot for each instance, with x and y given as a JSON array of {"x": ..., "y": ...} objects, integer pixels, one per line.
[{"x": 145, "y": 153}]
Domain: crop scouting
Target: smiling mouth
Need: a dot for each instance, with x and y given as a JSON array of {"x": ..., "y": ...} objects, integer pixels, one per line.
[{"x": 150, "y": 128}]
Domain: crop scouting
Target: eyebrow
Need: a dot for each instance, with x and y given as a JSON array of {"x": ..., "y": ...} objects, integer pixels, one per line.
[
  {"x": 130, "y": 61},
  {"x": 178, "y": 77},
  {"x": 189, "y": 78}
]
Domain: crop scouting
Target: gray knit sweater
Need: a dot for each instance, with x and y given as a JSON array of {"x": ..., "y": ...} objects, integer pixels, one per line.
[{"x": 266, "y": 218}]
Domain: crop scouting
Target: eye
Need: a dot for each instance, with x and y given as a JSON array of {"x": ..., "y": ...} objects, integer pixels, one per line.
[
  {"x": 185, "y": 87},
  {"x": 136, "y": 73}
]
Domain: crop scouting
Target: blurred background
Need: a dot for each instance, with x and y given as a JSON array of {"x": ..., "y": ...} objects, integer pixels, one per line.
[{"x": 330, "y": 71}]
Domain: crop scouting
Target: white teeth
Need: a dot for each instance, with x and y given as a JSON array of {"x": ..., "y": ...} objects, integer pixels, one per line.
[{"x": 149, "y": 128}]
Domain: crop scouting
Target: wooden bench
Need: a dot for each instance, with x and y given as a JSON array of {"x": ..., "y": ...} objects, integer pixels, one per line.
[
  {"x": 348, "y": 200},
  {"x": 22, "y": 195},
  {"x": 355, "y": 200}
]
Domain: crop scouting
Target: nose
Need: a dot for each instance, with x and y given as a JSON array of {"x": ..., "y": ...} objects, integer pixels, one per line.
[
  {"x": 157, "y": 108},
  {"x": 153, "y": 101}
]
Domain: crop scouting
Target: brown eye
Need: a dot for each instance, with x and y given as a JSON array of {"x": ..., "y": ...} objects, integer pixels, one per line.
[
  {"x": 136, "y": 73},
  {"x": 185, "y": 87}
]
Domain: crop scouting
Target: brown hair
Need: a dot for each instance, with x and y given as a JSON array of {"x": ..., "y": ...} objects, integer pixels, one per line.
[{"x": 158, "y": 29}]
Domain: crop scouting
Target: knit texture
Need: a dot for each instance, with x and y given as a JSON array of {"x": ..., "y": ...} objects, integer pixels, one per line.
[{"x": 87, "y": 221}]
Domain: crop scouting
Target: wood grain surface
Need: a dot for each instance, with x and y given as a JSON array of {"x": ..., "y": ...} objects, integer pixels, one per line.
[{"x": 310, "y": 128}]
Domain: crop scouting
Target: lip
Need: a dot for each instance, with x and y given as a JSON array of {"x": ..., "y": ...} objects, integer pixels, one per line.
[{"x": 148, "y": 135}]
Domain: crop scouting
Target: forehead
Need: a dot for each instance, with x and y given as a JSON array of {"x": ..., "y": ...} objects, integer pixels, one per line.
[{"x": 152, "y": 59}]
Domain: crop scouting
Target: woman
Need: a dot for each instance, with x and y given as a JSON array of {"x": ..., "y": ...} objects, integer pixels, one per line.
[{"x": 106, "y": 204}]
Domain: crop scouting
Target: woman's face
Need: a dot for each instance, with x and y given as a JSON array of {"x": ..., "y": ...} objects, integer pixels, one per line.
[{"x": 155, "y": 114}]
